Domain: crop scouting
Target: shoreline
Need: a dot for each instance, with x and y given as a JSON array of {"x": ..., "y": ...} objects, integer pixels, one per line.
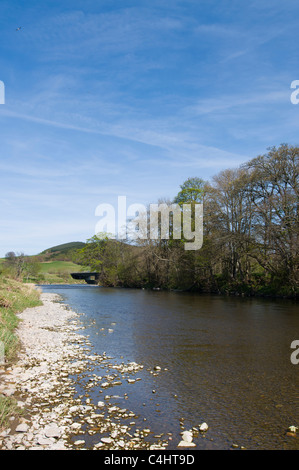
[
  {"x": 47, "y": 336},
  {"x": 226, "y": 293},
  {"x": 43, "y": 383}
]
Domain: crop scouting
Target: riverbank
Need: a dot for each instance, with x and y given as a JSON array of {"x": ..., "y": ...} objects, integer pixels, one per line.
[
  {"x": 73, "y": 395},
  {"x": 43, "y": 383},
  {"x": 14, "y": 297}
]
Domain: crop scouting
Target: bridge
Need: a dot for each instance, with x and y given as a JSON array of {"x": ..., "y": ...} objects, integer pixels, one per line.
[{"x": 90, "y": 278}]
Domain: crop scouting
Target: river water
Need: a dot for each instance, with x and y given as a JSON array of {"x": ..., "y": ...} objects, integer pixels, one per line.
[{"x": 224, "y": 361}]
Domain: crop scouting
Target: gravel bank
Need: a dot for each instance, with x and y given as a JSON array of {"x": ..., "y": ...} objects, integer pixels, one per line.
[{"x": 44, "y": 383}]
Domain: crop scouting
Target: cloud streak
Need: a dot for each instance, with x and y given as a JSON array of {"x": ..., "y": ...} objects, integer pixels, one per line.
[{"x": 127, "y": 98}]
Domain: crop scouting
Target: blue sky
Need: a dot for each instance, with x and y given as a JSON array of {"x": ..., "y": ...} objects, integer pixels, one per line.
[{"x": 109, "y": 98}]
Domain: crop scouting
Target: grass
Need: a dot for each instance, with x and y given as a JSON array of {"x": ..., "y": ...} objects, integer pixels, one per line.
[
  {"x": 59, "y": 266},
  {"x": 50, "y": 272},
  {"x": 58, "y": 272},
  {"x": 8, "y": 407},
  {"x": 14, "y": 298}
]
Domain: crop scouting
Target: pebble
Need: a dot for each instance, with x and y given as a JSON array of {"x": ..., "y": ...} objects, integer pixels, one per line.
[
  {"x": 53, "y": 431},
  {"x": 187, "y": 436},
  {"x": 53, "y": 352},
  {"x": 186, "y": 444},
  {"x": 79, "y": 442},
  {"x": 203, "y": 427},
  {"x": 23, "y": 427}
]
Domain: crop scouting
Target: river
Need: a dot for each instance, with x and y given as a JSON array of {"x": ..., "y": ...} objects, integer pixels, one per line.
[{"x": 224, "y": 361}]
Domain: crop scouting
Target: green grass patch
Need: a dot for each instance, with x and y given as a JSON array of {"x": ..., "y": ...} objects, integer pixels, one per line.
[
  {"x": 59, "y": 267},
  {"x": 58, "y": 272},
  {"x": 8, "y": 408},
  {"x": 14, "y": 297}
]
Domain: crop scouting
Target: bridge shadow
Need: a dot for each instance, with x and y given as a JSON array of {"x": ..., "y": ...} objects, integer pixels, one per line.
[{"x": 90, "y": 278}]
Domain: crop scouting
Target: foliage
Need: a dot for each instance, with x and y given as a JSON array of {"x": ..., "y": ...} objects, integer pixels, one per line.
[
  {"x": 192, "y": 190},
  {"x": 19, "y": 266},
  {"x": 251, "y": 235},
  {"x": 115, "y": 262}
]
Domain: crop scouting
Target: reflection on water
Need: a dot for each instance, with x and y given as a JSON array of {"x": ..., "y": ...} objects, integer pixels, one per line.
[{"x": 224, "y": 360}]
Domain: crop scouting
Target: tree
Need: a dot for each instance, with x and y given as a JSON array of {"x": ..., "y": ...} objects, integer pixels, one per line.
[
  {"x": 192, "y": 191},
  {"x": 250, "y": 240},
  {"x": 116, "y": 262},
  {"x": 90, "y": 256},
  {"x": 273, "y": 188},
  {"x": 31, "y": 268},
  {"x": 15, "y": 263},
  {"x": 230, "y": 221},
  {"x": 20, "y": 266}
]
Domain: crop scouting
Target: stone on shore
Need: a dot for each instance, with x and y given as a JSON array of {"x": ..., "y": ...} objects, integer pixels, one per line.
[
  {"x": 23, "y": 427},
  {"x": 186, "y": 444},
  {"x": 203, "y": 427},
  {"x": 53, "y": 354},
  {"x": 187, "y": 436},
  {"x": 53, "y": 431}
]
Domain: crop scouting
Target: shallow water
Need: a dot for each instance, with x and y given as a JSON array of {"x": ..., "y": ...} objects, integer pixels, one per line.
[{"x": 224, "y": 360}]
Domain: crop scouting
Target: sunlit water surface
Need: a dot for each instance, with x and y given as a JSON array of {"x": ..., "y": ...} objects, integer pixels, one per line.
[{"x": 227, "y": 361}]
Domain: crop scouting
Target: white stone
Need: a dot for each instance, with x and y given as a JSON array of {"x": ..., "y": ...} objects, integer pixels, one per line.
[
  {"x": 187, "y": 436},
  {"x": 23, "y": 427},
  {"x": 42, "y": 441},
  {"x": 98, "y": 445},
  {"x": 203, "y": 427},
  {"x": 79, "y": 442},
  {"x": 53, "y": 431},
  {"x": 186, "y": 444},
  {"x": 76, "y": 426},
  {"x": 74, "y": 409}
]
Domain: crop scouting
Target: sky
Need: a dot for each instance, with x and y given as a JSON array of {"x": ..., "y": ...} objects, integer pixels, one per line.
[{"x": 109, "y": 98}]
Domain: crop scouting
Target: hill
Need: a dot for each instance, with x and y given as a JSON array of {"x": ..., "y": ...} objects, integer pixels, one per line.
[
  {"x": 52, "y": 266},
  {"x": 62, "y": 252},
  {"x": 57, "y": 262}
]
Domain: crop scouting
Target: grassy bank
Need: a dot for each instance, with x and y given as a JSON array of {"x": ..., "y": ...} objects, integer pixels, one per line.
[
  {"x": 58, "y": 272},
  {"x": 53, "y": 266},
  {"x": 14, "y": 297}
]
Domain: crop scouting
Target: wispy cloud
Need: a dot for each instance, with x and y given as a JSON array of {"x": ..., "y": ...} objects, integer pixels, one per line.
[
  {"x": 240, "y": 102},
  {"x": 108, "y": 98}
]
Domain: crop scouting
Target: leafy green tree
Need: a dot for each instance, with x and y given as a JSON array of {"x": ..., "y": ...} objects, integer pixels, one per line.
[
  {"x": 19, "y": 266},
  {"x": 90, "y": 256},
  {"x": 250, "y": 242},
  {"x": 192, "y": 191},
  {"x": 31, "y": 269}
]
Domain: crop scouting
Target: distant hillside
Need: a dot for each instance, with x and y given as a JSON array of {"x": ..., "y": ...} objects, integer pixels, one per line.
[
  {"x": 61, "y": 252},
  {"x": 64, "y": 248}
]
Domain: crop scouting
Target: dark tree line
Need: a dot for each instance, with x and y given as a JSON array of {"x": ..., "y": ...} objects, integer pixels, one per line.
[{"x": 250, "y": 236}]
